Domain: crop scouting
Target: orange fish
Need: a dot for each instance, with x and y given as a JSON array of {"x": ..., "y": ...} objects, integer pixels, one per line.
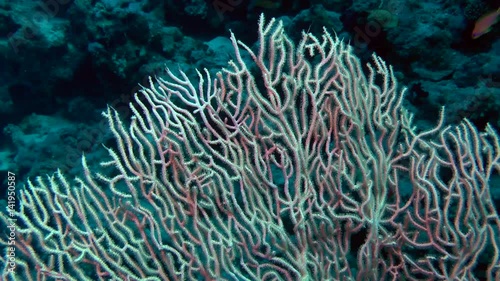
[{"x": 484, "y": 23}]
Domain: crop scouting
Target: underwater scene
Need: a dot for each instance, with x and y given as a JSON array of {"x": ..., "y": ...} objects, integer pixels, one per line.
[{"x": 250, "y": 140}]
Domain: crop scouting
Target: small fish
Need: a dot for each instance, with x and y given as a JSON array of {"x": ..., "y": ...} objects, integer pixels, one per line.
[
  {"x": 265, "y": 4},
  {"x": 484, "y": 23}
]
